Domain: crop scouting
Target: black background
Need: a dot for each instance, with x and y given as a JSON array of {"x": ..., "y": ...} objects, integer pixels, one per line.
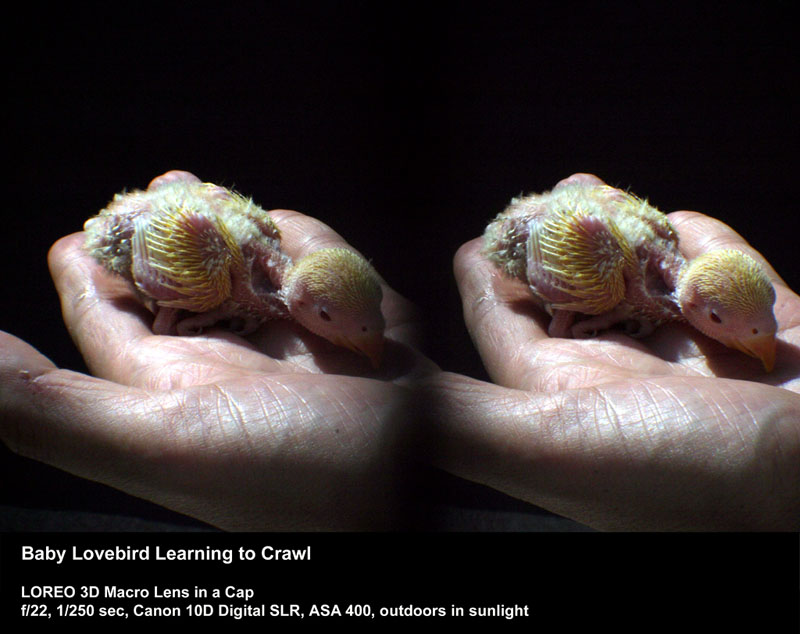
[
  {"x": 632, "y": 583},
  {"x": 405, "y": 126}
]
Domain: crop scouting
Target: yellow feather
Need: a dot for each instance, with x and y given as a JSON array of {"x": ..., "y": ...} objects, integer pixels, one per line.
[
  {"x": 587, "y": 263},
  {"x": 338, "y": 275},
  {"x": 197, "y": 265},
  {"x": 733, "y": 279}
]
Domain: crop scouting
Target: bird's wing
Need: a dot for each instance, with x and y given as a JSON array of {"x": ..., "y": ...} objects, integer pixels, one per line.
[
  {"x": 577, "y": 260},
  {"x": 183, "y": 259}
]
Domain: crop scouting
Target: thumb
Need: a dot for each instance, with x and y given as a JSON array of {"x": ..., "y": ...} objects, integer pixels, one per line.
[{"x": 69, "y": 420}]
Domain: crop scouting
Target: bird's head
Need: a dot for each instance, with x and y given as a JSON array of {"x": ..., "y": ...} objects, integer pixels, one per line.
[
  {"x": 335, "y": 293},
  {"x": 726, "y": 295}
]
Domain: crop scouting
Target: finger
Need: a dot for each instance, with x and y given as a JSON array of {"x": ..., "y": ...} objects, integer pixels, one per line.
[
  {"x": 57, "y": 415},
  {"x": 100, "y": 310},
  {"x": 579, "y": 178},
  {"x": 99, "y": 430},
  {"x": 302, "y": 234},
  {"x": 19, "y": 358},
  {"x": 502, "y": 321},
  {"x": 700, "y": 233}
]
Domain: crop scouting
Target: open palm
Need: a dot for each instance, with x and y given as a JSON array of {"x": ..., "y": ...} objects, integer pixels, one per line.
[
  {"x": 281, "y": 430},
  {"x": 671, "y": 431}
]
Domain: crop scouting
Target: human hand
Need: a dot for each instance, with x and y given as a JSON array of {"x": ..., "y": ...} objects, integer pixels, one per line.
[
  {"x": 277, "y": 431},
  {"x": 674, "y": 431}
]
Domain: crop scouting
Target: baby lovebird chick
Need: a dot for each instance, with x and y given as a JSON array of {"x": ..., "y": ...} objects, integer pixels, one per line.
[
  {"x": 335, "y": 294},
  {"x": 198, "y": 254},
  {"x": 595, "y": 256}
]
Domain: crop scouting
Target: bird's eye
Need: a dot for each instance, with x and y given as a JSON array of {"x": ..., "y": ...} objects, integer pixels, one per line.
[
  {"x": 755, "y": 331},
  {"x": 714, "y": 317},
  {"x": 324, "y": 315},
  {"x": 363, "y": 329}
]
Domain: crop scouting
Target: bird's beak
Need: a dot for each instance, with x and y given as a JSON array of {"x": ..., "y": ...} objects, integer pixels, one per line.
[
  {"x": 371, "y": 346},
  {"x": 761, "y": 347}
]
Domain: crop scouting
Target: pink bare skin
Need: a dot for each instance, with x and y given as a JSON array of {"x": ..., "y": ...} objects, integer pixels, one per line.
[
  {"x": 277, "y": 431},
  {"x": 671, "y": 432}
]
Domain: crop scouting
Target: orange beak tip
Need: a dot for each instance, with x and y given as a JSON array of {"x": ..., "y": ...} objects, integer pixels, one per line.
[
  {"x": 762, "y": 348},
  {"x": 370, "y": 347}
]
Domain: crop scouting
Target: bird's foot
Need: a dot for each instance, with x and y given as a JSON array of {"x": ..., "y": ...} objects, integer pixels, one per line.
[
  {"x": 585, "y": 329},
  {"x": 638, "y": 328},
  {"x": 238, "y": 324},
  {"x": 561, "y": 324},
  {"x": 166, "y": 320}
]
